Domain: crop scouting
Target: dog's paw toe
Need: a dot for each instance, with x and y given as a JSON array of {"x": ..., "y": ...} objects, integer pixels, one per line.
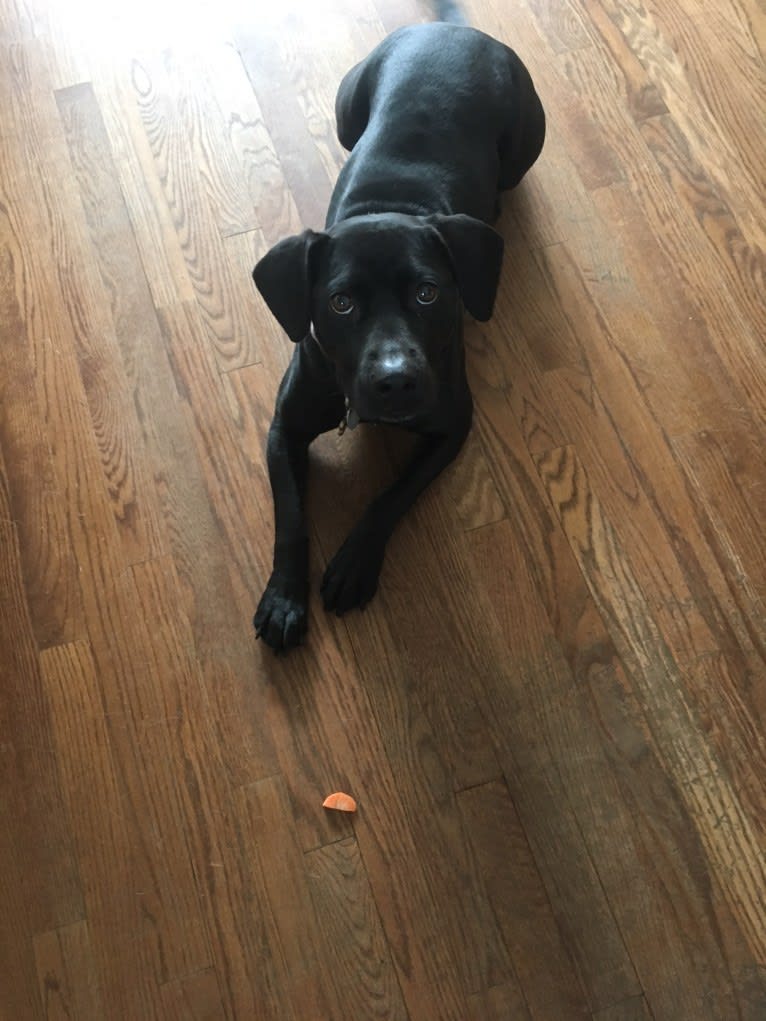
[
  {"x": 281, "y": 619},
  {"x": 351, "y": 578}
]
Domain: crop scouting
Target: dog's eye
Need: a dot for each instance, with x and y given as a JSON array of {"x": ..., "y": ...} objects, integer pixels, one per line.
[
  {"x": 341, "y": 304},
  {"x": 427, "y": 294}
]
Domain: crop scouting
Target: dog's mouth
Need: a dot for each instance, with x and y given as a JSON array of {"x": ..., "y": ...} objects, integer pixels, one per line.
[
  {"x": 396, "y": 419},
  {"x": 352, "y": 419},
  {"x": 406, "y": 407}
]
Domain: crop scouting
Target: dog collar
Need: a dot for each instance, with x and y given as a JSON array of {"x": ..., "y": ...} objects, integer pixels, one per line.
[{"x": 351, "y": 419}]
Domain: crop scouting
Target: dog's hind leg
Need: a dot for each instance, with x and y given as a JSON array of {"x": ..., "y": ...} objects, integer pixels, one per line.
[
  {"x": 352, "y": 105},
  {"x": 522, "y": 141}
]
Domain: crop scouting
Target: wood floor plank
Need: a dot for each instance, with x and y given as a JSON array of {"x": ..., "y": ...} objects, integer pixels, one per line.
[
  {"x": 119, "y": 657},
  {"x": 304, "y": 169},
  {"x": 195, "y": 998},
  {"x": 654, "y": 37},
  {"x": 634, "y": 1009},
  {"x": 403, "y": 885},
  {"x": 38, "y": 830},
  {"x": 724, "y": 467},
  {"x": 699, "y": 383},
  {"x": 69, "y": 986},
  {"x": 682, "y": 235},
  {"x": 687, "y": 754},
  {"x": 50, "y": 573},
  {"x": 563, "y": 25},
  {"x": 39, "y": 876},
  {"x": 360, "y": 965},
  {"x": 115, "y": 424},
  {"x": 497, "y": 1004},
  {"x": 642, "y": 95},
  {"x": 306, "y": 71},
  {"x": 32, "y": 309},
  {"x": 110, "y": 864},
  {"x": 211, "y": 136},
  {"x": 194, "y": 733},
  {"x": 185, "y": 193},
  {"x": 168, "y": 437},
  {"x": 535, "y": 772},
  {"x": 597, "y": 667},
  {"x": 294, "y": 927},
  {"x": 710, "y": 610},
  {"x": 150, "y": 217},
  {"x": 154, "y": 386},
  {"x": 473, "y": 489},
  {"x": 270, "y": 196},
  {"x": 713, "y": 48},
  {"x": 322, "y": 746},
  {"x": 743, "y": 264},
  {"x": 506, "y": 864}
]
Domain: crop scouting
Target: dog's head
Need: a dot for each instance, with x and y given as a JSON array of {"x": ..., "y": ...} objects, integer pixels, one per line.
[{"x": 383, "y": 296}]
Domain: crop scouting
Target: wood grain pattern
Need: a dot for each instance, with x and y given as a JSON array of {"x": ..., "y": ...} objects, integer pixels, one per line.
[
  {"x": 39, "y": 875},
  {"x": 506, "y": 865},
  {"x": 497, "y": 1003},
  {"x": 729, "y": 840},
  {"x": 107, "y": 388},
  {"x": 185, "y": 194},
  {"x": 634, "y": 1009},
  {"x": 69, "y": 986},
  {"x": 107, "y": 849},
  {"x": 348, "y": 921},
  {"x": 553, "y": 715},
  {"x": 195, "y": 998}
]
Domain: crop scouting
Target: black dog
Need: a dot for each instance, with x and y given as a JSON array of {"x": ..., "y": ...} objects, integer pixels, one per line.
[{"x": 440, "y": 119}]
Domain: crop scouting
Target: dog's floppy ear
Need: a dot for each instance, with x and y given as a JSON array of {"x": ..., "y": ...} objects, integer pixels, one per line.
[
  {"x": 476, "y": 252},
  {"x": 284, "y": 277}
]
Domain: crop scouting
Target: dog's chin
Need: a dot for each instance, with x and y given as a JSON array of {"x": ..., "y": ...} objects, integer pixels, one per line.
[
  {"x": 403, "y": 414},
  {"x": 405, "y": 418},
  {"x": 415, "y": 421}
]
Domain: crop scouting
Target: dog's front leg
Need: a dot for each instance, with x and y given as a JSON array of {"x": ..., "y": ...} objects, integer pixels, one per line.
[
  {"x": 280, "y": 619},
  {"x": 351, "y": 578}
]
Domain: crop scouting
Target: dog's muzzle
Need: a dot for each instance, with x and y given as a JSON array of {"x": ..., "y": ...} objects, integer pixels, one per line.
[{"x": 394, "y": 383}]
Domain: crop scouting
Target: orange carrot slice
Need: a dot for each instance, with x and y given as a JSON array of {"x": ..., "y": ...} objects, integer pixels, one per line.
[{"x": 340, "y": 802}]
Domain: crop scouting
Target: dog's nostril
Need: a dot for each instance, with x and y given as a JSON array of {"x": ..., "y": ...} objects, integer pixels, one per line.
[
  {"x": 413, "y": 352},
  {"x": 373, "y": 356},
  {"x": 395, "y": 383}
]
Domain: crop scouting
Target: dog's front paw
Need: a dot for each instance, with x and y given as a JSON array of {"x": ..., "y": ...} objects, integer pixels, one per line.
[
  {"x": 281, "y": 618},
  {"x": 351, "y": 578}
]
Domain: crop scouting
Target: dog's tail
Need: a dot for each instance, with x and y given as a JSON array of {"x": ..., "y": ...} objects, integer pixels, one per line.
[{"x": 449, "y": 10}]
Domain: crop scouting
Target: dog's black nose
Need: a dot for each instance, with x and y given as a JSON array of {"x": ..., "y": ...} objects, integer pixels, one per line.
[
  {"x": 394, "y": 382},
  {"x": 394, "y": 376}
]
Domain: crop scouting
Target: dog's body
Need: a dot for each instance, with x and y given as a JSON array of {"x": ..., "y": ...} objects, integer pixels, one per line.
[{"x": 440, "y": 119}]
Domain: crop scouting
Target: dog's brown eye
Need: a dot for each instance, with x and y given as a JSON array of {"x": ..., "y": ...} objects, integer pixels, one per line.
[
  {"x": 427, "y": 294},
  {"x": 342, "y": 304}
]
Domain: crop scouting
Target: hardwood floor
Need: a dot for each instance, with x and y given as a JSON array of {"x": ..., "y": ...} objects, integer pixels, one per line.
[{"x": 553, "y": 716}]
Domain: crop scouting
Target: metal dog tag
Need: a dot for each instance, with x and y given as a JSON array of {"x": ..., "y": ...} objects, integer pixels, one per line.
[{"x": 349, "y": 421}]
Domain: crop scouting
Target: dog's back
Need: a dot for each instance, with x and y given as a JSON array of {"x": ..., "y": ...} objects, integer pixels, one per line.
[{"x": 428, "y": 115}]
